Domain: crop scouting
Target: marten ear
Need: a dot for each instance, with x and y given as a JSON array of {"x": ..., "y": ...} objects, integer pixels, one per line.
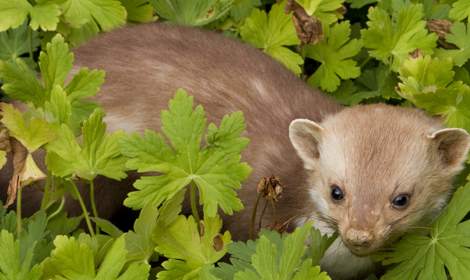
[
  {"x": 452, "y": 145},
  {"x": 305, "y": 136}
]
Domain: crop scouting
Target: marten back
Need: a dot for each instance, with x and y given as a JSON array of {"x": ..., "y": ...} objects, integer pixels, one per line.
[{"x": 146, "y": 64}]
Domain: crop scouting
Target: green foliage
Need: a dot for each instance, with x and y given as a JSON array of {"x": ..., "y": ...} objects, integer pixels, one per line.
[
  {"x": 273, "y": 256},
  {"x": 215, "y": 168},
  {"x": 444, "y": 247},
  {"x": 460, "y": 10},
  {"x": 386, "y": 54},
  {"x": 98, "y": 154},
  {"x": 17, "y": 42},
  {"x": 31, "y": 132},
  {"x": 195, "y": 13},
  {"x": 334, "y": 53},
  {"x": 459, "y": 36},
  {"x": 242, "y": 8},
  {"x": 391, "y": 38},
  {"x": 49, "y": 15},
  {"x": 325, "y": 10},
  {"x": 77, "y": 259},
  {"x": 188, "y": 250},
  {"x": 429, "y": 84},
  {"x": 14, "y": 266},
  {"x": 272, "y": 33},
  {"x": 63, "y": 103},
  {"x": 138, "y": 10}
]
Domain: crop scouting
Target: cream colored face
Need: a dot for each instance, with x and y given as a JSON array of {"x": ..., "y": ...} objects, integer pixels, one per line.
[{"x": 378, "y": 171}]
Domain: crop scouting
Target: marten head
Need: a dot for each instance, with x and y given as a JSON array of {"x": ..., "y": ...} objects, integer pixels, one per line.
[{"x": 377, "y": 171}]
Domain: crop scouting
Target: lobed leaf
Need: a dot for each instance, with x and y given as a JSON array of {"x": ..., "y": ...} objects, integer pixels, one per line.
[
  {"x": 272, "y": 33},
  {"x": 335, "y": 55},
  {"x": 215, "y": 168},
  {"x": 443, "y": 248}
]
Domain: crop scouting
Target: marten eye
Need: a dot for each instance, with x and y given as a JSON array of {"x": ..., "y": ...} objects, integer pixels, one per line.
[
  {"x": 336, "y": 193},
  {"x": 401, "y": 201}
]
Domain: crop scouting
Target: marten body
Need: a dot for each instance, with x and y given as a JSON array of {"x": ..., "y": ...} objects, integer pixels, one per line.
[
  {"x": 343, "y": 168},
  {"x": 145, "y": 65}
]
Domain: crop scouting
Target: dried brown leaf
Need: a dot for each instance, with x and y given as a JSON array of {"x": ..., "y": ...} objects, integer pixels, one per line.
[{"x": 309, "y": 28}]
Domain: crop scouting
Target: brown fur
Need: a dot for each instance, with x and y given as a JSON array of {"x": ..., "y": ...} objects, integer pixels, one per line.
[{"x": 147, "y": 63}]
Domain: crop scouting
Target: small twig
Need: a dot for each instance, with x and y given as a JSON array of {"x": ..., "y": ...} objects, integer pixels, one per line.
[
  {"x": 260, "y": 222},
  {"x": 253, "y": 216}
]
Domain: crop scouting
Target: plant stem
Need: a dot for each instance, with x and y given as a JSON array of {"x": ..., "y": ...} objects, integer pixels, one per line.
[
  {"x": 253, "y": 216},
  {"x": 365, "y": 61},
  {"x": 49, "y": 184},
  {"x": 192, "y": 196},
  {"x": 18, "y": 211},
  {"x": 93, "y": 203},
  {"x": 84, "y": 210},
  {"x": 260, "y": 222},
  {"x": 58, "y": 210}
]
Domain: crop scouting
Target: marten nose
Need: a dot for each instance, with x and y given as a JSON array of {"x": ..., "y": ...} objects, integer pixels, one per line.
[{"x": 360, "y": 238}]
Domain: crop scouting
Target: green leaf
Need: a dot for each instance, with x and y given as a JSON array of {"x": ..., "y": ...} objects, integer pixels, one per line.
[
  {"x": 424, "y": 75},
  {"x": 460, "y": 36},
  {"x": 59, "y": 106},
  {"x": 392, "y": 38},
  {"x": 13, "y": 13},
  {"x": 86, "y": 83},
  {"x": 107, "y": 227},
  {"x": 187, "y": 250},
  {"x": 31, "y": 132},
  {"x": 214, "y": 168},
  {"x": 443, "y": 248},
  {"x": 20, "y": 83},
  {"x": 55, "y": 63},
  {"x": 16, "y": 42},
  {"x": 428, "y": 83},
  {"x": 227, "y": 135},
  {"x": 45, "y": 16},
  {"x": 98, "y": 154},
  {"x": 194, "y": 13},
  {"x": 335, "y": 54},
  {"x": 319, "y": 244},
  {"x": 272, "y": 33},
  {"x": 34, "y": 238},
  {"x": 140, "y": 241},
  {"x": 138, "y": 10},
  {"x": 273, "y": 256},
  {"x": 281, "y": 258},
  {"x": 242, "y": 8},
  {"x": 108, "y": 14},
  {"x": 378, "y": 82},
  {"x": 325, "y": 10},
  {"x": 61, "y": 224},
  {"x": 12, "y": 264},
  {"x": 460, "y": 10},
  {"x": 78, "y": 35},
  {"x": 75, "y": 259}
]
